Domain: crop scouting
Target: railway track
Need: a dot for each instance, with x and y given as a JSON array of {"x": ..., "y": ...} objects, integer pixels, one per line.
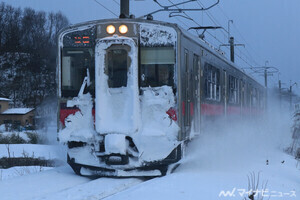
[
  {"x": 95, "y": 190},
  {"x": 62, "y": 183}
]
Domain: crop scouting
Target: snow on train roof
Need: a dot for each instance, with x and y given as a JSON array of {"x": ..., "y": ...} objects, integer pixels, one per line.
[{"x": 17, "y": 111}]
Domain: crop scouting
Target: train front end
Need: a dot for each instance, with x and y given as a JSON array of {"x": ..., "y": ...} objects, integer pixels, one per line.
[{"x": 118, "y": 98}]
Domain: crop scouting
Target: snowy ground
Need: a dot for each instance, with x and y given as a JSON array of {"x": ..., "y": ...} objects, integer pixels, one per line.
[
  {"x": 61, "y": 183},
  {"x": 13, "y": 172},
  {"x": 219, "y": 160},
  {"x": 222, "y": 160},
  {"x": 194, "y": 182},
  {"x": 33, "y": 150}
]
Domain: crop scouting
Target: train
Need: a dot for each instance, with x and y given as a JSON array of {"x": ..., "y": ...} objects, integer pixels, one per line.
[{"x": 134, "y": 92}]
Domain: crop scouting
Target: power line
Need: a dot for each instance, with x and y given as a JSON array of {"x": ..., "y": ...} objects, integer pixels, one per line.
[
  {"x": 215, "y": 21},
  {"x": 248, "y": 45},
  {"x": 184, "y": 14},
  {"x": 116, "y": 2},
  {"x": 212, "y": 34},
  {"x": 106, "y": 8},
  {"x": 212, "y": 18}
]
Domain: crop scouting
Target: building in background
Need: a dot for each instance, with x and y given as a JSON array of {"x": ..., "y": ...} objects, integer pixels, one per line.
[
  {"x": 4, "y": 104},
  {"x": 15, "y": 118}
]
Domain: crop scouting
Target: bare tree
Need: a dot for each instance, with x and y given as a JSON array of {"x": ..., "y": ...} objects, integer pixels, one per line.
[{"x": 253, "y": 187}]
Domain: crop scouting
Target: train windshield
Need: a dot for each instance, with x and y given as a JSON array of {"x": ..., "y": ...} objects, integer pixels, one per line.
[
  {"x": 157, "y": 66},
  {"x": 116, "y": 65},
  {"x": 75, "y": 63}
]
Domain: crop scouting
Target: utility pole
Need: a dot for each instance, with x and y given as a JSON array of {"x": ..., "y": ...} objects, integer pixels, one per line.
[
  {"x": 266, "y": 71},
  {"x": 266, "y": 74},
  {"x": 279, "y": 89},
  {"x": 124, "y": 9},
  {"x": 229, "y": 21},
  {"x": 231, "y": 42},
  {"x": 232, "y": 45},
  {"x": 291, "y": 93},
  {"x": 266, "y": 77}
]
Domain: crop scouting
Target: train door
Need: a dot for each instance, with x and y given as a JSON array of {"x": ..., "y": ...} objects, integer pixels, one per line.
[
  {"x": 225, "y": 93},
  {"x": 117, "y": 94},
  {"x": 196, "y": 92},
  {"x": 242, "y": 95},
  {"x": 187, "y": 103}
]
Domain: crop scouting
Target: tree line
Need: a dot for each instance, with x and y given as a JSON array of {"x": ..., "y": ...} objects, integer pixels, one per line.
[{"x": 28, "y": 49}]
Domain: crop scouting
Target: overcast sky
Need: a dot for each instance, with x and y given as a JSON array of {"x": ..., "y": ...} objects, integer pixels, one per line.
[{"x": 270, "y": 29}]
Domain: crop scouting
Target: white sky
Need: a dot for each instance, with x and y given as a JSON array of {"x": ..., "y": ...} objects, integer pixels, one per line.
[{"x": 269, "y": 28}]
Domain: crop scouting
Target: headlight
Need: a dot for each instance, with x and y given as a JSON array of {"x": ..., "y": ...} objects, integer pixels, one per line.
[
  {"x": 123, "y": 29},
  {"x": 110, "y": 29}
]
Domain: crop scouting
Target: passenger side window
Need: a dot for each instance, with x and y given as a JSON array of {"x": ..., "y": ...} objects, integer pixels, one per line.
[
  {"x": 254, "y": 97},
  {"x": 234, "y": 90},
  {"x": 212, "y": 83},
  {"x": 157, "y": 66}
]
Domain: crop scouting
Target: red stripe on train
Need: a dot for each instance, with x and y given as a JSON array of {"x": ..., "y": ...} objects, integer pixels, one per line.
[
  {"x": 64, "y": 113},
  {"x": 183, "y": 108},
  {"x": 212, "y": 109},
  {"x": 192, "y": 108},
  {"x": 233, "y": 110}
]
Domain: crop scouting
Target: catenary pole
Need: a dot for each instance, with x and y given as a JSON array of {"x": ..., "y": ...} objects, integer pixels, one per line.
[{"x": 124, "y": 9}]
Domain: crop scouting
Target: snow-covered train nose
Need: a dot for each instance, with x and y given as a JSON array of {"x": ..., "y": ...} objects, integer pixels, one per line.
[
  {"x": 116, "y": 149},
  {"x": 115, "y": 144}
]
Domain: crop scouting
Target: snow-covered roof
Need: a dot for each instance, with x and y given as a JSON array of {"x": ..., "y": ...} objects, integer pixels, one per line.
[
  {"x": 17, "y": 111},
  {"x": 4, "y": 99}
]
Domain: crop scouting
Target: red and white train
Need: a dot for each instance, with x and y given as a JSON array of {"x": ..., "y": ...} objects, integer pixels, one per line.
[{"x": 133, "y": 92}]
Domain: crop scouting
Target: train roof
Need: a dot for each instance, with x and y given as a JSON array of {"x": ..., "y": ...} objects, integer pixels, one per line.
[
  {"x": 196, "y": 39},
  {"x": 212, "y": 50}
]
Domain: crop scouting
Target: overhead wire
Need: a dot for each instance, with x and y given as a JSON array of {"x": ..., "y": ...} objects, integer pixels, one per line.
[
  {"x": 116, "y": 2},
  {"x": 193, "y": 21},
  {"x": 178, "y": 18},
  {"x": 243, "y": 38},
  {"x": 197, "y": 24},
  {"x": 247, "y": 55},
  {"x": 106, "y": 8},
  {"x": 212, "y": 18},
  {"x": 216, "y": 23}
]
